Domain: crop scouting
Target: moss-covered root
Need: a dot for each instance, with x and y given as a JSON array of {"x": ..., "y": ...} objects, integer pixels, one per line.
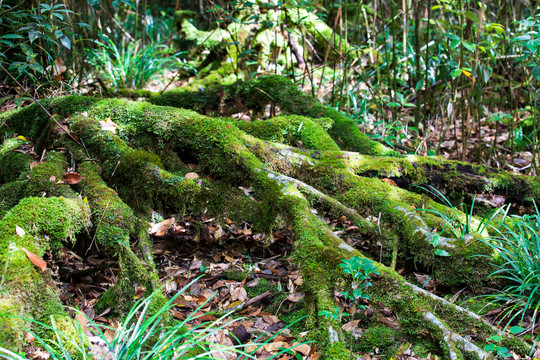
[
  {"x": 24, "y": 290},
  {"x": 293, "y": 130},
  {"x": 114, "y": 225},
  {"x": 319, "y": 252},
  {"x": 254, "y": 95}
]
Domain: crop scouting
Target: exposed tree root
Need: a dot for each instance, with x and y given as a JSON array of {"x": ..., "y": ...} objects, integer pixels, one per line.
[{"x": 143, "y": 168}]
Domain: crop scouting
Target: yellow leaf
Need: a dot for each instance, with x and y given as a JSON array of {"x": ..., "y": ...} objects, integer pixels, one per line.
[
  {"x": 466, "y": 73},
  {"x": 85, "y": 200},
  {"x": 22, "y": 138}
]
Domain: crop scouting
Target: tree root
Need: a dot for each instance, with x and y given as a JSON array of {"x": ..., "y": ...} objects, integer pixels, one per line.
[{"x": 287, "y": 183}]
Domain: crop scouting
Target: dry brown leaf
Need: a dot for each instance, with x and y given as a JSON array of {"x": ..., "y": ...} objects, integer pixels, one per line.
[
  {"x": 52, "y": 178},
  {"x": 253, "y": 282},
  {"x": 239, "y": 294},
  {"x": 350, "y": 325},
  {"x": 160, "y": 229},
  {"x": 36, "y": 260},
  {"x": 58, "y": 69},
  {"x": 82, "y": 319},
  {"x": 72, "y": 178},
  {"x": 295, "y": 297},
  {"x": 275, "y": 346},
  {"x": 303, "y": 349},
  {"x": 270, "y": 319},
  {"x": 389, "y": 182},
  {"x": 34, "y": 163},
  {"x": 192, "y": 175}
]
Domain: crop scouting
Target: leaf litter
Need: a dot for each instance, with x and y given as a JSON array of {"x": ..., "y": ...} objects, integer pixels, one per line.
[{"x": 242, "y": 273}]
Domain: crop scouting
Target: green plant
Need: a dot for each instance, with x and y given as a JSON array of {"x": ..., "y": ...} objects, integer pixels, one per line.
[
  {"x": 143, "y": 335},
  {"x": 132, "y": 65},
  {"x": 518, "y": 247},
  {"x": 33, "y": 38},
  {"x": 359, "y": 269},
  {"x": 452, "y": 223},
  {"x": 501, "y": 350}
]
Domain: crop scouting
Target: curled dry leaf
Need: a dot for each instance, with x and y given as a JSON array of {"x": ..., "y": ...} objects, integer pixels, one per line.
[
  {"x": 160, "y": 229},
  {"x": 36, "y": 260},
  {"x": 72, "y": 178}
]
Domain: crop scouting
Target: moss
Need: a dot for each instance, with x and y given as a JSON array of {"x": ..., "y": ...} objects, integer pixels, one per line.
[
  {"x": 10, "y": 194},
  {"x": 296, "y": 320},
  {"x": 381, "y": 337},
  {"x": 13, "y": 164},
  {"x": 46, "y": 179},
  {"x": 26, "y": 291},
  {"x": 337, "y": 351},
  {"x": 291, "y": 130},
  {"x": 275, "y": 90},
  {"x": 113, "y": 219},
  {"x": 238, "y": 276}
]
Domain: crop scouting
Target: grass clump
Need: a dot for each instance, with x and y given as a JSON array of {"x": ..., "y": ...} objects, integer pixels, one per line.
[{"x": 147, "y": 332}]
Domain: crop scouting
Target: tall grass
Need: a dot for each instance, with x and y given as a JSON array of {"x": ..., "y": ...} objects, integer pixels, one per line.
[
  {"x": 132, "y": 65},
  {"x": 518, "y": 247},
  {"x": 143, "y": 336}
]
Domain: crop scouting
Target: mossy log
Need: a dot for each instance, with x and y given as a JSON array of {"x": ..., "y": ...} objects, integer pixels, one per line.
[{"x": 313, "y": 161}]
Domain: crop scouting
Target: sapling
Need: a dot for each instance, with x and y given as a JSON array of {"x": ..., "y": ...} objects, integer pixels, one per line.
[{"x": 359, "y": 269}]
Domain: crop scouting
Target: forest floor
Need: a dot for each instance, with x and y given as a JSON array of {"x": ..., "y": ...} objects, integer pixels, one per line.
[{"x": 246, "y": 276}]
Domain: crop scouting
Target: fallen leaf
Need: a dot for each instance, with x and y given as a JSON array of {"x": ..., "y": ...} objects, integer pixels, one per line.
[
  {"x": 33, "y": 164},
  {"x": 160, "y": 229},
  {"x": 19, "y": 231},
  {"x": 192, "y": 175},
  {"x": 72, "y": 178},
  {"x": 389, "y": 182},
  {"x": 239, "y": 294},
  {"x": 107, "y": 124},
  {"x": 82, "y": 319},
  {"x": 295, "y": 297},
  {"x": 36, "y": 260},
  {"x": 247, "y": 191},
  {"x": 303, "y": 349},
  {"x": 350, "y": 325},
  {"x": 59, "y": 68}
]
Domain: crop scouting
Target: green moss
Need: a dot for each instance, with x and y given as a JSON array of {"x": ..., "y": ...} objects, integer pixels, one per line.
[
  {"x": 381, "y": 337},
  {"x": 262, "y": 287},
  {"x": 337, "y": 351},
  {"x": 25, "y": 290},
  {"x": 275, "y": 90},
  {"x": 46, "y": 179},
  {"x": 238, "y": 276},
  {"x": 113, "y": 220},
  {"x": 13, "y": 164},
  {"x": 291, "y": 130},
  {"x": 10, "y": 194},
  {"x": 296, "y": 320}
]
